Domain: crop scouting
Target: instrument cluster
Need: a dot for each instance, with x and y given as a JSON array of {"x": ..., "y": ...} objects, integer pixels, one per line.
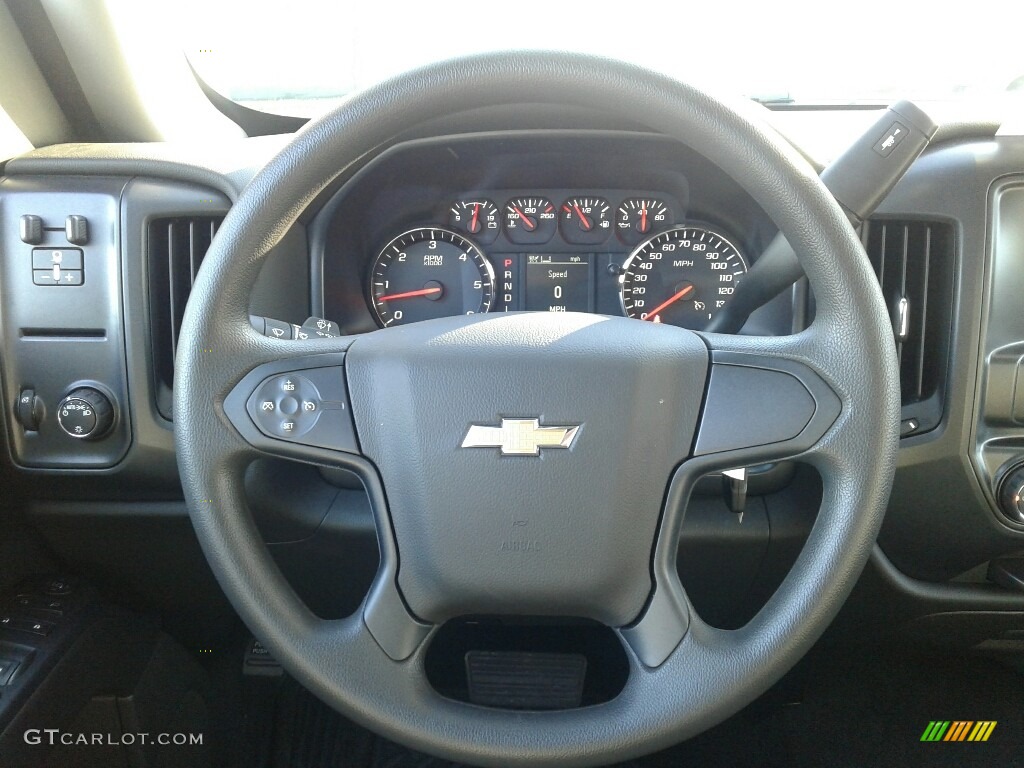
[{"x": 625, "y": 252}]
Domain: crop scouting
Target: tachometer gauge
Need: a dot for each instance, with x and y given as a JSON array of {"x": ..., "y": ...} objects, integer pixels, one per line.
[
  {"x": 586, "y": 220},
  {"x": 430, "y": 272},
  {"x": 530, "y": 220},
  {"x": 479, "y": 218},
  {"x": 638, "y": 217},
  {"x": 681, "y": 277}
]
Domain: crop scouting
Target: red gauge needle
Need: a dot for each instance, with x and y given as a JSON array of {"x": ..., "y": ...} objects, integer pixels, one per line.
[
  {"x": 654, "y": 312},
  {"x": 474, "y": 220},
  {"x": 584, "y": 221},
  {"x": 411, "y": 294},
  {"x": 526, "y": 219},
  {"x": 643, "y": 218}
]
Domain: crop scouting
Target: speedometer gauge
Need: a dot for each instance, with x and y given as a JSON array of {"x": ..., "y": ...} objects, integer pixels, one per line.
[
  {"x": 429, "y": 272},
  {"x": 681, "y": 277}
]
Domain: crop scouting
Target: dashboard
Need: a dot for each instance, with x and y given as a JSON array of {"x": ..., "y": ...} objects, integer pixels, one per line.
[
  {"x": 108, "y": 334},
  {"x": 517, "y": 221}
]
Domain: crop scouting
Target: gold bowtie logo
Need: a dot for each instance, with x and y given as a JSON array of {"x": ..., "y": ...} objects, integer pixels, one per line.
[{"x": 520, "y": 437}]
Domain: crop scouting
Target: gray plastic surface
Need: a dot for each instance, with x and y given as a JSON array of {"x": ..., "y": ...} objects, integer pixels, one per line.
[{"x": 58, "y": 338}]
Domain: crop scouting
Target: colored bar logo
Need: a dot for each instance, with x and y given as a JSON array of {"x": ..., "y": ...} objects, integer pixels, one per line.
[{"x": 958, "y": 730}]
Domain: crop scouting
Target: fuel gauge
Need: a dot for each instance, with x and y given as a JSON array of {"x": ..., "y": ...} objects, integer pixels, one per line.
[
  {"x": 586, "y": 220},
  {"x": 479, "y": 218}
]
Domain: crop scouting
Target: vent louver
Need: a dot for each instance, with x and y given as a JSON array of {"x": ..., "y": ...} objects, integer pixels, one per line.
[
  {"x": 176, "y": 250},
  {"x": 914, "y": 264}
]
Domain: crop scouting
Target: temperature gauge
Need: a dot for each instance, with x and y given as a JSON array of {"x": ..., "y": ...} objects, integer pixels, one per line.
[{"x": 530, "y": 220}]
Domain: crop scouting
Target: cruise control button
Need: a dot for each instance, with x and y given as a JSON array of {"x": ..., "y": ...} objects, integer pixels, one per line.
[
  {"x": 308, "y": 407},
  {"x": 281, "y": 406}
]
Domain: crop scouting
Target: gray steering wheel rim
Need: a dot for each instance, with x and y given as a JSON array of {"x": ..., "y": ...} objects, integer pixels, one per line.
[{"x": 711, "y": 674}]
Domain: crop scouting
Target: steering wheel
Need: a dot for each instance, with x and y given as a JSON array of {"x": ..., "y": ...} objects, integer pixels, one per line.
[{"x": 628, "y": 416}]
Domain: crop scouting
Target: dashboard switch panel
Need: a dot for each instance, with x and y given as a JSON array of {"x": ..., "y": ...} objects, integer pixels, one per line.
[{"x": 56, "y": 341}]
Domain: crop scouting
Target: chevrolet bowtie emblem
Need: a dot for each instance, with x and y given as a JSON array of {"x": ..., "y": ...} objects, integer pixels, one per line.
[{"x": 519, "y": 437}]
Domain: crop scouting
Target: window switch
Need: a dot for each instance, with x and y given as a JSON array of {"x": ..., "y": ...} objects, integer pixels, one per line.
[
  {"x": 34, "y": 626},
  {"x": 54, "y": 605}
]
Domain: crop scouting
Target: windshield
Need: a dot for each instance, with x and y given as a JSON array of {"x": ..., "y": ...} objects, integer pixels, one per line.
[{"x": 302, "y": 57}]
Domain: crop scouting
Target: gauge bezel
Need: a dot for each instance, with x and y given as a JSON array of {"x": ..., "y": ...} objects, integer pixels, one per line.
[
  {"x": 570, "y": 230},
  {"x": 630, "y": 237},
  {"x": 484, "y": 236},
  {"x": 627, "y": 264},
  {"x": 539, "y": 236}
]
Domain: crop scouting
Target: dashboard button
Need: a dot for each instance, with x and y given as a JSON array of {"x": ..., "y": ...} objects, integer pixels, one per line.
[
  {"x": 76, "y": 229},
  {"x": 45, "y": 277},
  {"x": 86, "y": 413},
  {"x": 48, "y": 258},
  {"x": 31, "y": 229},
  {"x": 30, "y": 410}
]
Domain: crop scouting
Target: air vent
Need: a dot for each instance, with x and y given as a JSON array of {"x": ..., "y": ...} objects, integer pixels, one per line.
[
  {"x": 176, "y": 249},
  {"x": 914, "y": 264}
]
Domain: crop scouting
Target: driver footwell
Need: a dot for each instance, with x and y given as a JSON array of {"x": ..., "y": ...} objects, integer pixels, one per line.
[{"x": 841, "y": 707}]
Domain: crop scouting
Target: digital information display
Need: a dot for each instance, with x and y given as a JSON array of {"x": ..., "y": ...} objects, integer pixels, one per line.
[{"x": 562, "y": 283}]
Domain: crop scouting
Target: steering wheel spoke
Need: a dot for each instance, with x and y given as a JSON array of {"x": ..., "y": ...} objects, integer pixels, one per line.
[
  {"x": 766, "y": 400},
  {"x": 296, "y": 406}
]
